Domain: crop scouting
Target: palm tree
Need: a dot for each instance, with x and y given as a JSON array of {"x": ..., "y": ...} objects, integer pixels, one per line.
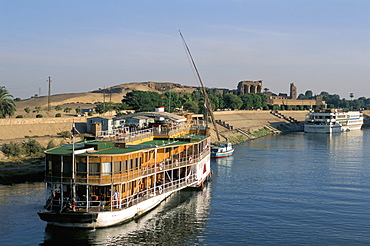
[{"x": 7, "y": 106}]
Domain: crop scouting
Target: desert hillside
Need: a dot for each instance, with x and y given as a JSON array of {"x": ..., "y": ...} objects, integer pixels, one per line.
[{"x": 114, "y": 94}]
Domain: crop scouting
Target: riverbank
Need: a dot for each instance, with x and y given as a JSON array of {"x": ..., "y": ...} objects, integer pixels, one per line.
[
  {"x": 20, "y": 170},
  {"x": 237, "y": 127},
  {"x": 243, "y": 125}
]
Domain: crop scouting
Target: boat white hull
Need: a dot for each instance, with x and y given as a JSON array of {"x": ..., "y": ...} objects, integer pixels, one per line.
[
  {"x": 109, "y": 218},
  {"x": 330, "y": 128}
]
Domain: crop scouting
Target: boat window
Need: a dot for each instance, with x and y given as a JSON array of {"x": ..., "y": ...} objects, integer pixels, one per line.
[
  {"x": 67, "y": 168},
  {"x": 50, "y": 165},
  {"x": 117, "y": 167},
  {"x": 94, "y": 168},
  {"x": 81, "y": 168},
  {"x": 106, "y": 168}
]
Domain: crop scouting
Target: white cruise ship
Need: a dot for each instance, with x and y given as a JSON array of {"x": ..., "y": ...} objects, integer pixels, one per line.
[{"x": 333, "y": 120}]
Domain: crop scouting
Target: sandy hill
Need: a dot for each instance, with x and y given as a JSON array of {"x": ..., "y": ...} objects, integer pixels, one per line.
[{"x": 114, "y": 94}]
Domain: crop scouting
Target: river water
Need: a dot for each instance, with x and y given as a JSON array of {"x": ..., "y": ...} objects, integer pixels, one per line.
[{"x": 293, "y": 189}]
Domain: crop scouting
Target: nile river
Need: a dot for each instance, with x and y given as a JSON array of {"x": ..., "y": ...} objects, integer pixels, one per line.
[{"x": 294, "y": 189}]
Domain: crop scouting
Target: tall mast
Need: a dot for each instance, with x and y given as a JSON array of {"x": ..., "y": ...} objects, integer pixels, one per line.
[{"x": 208, "y": 104}]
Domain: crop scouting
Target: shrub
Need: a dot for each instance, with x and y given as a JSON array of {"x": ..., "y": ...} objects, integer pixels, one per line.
[
  {"x": 65, "y": 134},
  {"x": 67, "y": 109},
  {"x": 39, "y": 116},
  {"x": 51, "y": 144},
  {"x": 90, "y": 113},
  {"x": 58, "y": 108},
  {"x": 12, "y": 149},
  {"x": 19, "y": 116},
  {"x": 32, "y": 147},
  {"x": 27, "y": 110},
  {"x": 58, "y": 115}
]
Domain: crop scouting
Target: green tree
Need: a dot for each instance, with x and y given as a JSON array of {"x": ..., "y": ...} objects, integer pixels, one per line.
[
  {"x": 197, "y": 94},
  {"x": 247, "y": 101},
  {"x": 212, "y": 91},
  {"x": 309, "y": 94},
  {"x": 7, "y": 105},
  {"x": 191, "y": 106},
  {"x": 58, "y": 108},
  {"x": 101, "y": 108},
  {"x": 27, "y": 110},
  {"x": 215, "y": 101},
  {"x": 186, "y": 98},
  {"x": 172, "y": 100},
  {"x": 232, "y": 101},
  {"x": 331, "y": 99},
  {"x": 143, "y": 100}
]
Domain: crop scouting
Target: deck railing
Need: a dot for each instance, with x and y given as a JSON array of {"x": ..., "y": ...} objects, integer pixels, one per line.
[
  {"x": 111, "y": 177},
  {"x": 121, "y": 136},
  {"x": 110, "y": 204}
]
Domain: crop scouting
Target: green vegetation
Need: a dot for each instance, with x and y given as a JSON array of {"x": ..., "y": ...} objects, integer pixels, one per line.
[
  {"x": 30, "y": 148},
  {"x": 194, "y": 102},
  {"x": 78, "y": 110},
  {"x": 143, "y": 100},
  {"x": 37, "y": 109},
  {"x": 7, "y": 105},
  {"x": 51, "y": 144},
  {"x": 12, "y": 149},
  {"x": 27, "y": 110},
  {"x": 65, "y": 134},
  {"x": 101, "y": 108},
  {"x": 58, "y": 115},
  {"x": 238, "y": 139},
  {"x": 39, "y": 116},
  {"x": 260, "y": 132},
  {"x": 67, "y": 110}
]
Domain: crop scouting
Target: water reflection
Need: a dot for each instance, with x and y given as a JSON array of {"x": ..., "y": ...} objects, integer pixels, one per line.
[{"x": 180, "y": 220}]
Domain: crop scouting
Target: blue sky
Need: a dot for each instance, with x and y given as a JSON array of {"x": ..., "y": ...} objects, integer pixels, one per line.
[{"x": 85, "y": 45}]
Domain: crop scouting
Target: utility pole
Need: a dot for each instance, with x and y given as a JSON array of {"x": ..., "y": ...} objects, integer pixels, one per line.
[
  {"x": 104, "y": 100},
  {"x": 49, "y": 92},
  {"x": 110, "y": 95}
]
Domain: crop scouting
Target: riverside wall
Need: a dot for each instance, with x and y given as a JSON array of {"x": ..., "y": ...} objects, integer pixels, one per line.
[{"x": 14, "y": 128}]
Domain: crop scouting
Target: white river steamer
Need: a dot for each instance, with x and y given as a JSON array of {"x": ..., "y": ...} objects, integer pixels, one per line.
[{"x": 123, "y": 174}]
